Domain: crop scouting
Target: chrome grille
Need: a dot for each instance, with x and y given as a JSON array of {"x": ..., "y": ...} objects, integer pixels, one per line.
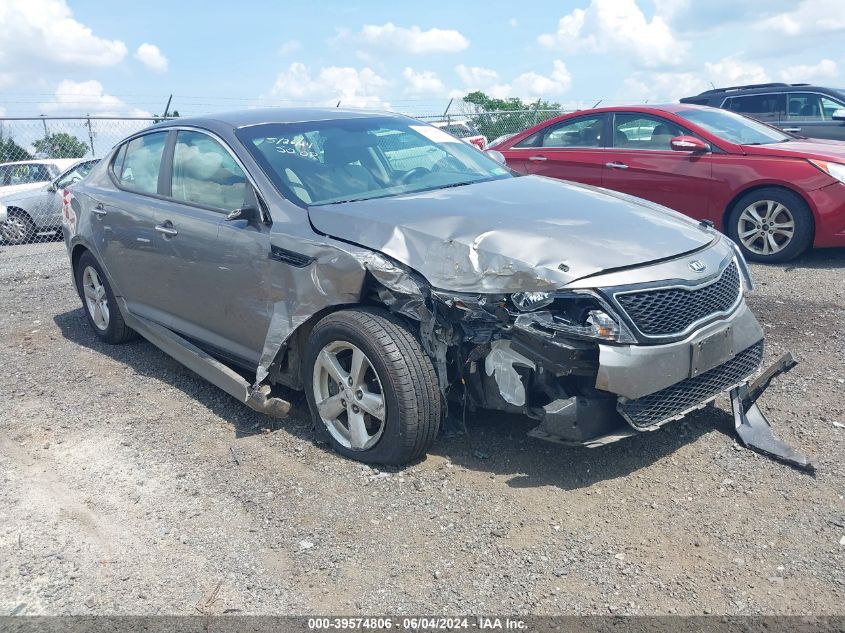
[
  {"x": 672, "y": 401},
  {"x": 673, "y": 310}
]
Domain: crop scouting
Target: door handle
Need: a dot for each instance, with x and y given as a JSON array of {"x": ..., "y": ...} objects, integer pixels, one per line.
[
  {"x": 616, "y": 165},
  {"x": 166, "y": 230},
  {"x": 792, "y": 129},
  {"x": 99, "y": 209},
  {"x": 537, "y": 158}
]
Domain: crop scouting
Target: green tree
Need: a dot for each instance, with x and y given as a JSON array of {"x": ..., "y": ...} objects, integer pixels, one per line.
[
  {"x": 61, "y": 145},
  {"x": 11, "y": 151},
  {"x": 497, "y": 117}
]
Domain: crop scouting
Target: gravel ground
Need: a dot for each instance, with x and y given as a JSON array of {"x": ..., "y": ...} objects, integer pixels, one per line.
[{"x": 129, "y": 485}]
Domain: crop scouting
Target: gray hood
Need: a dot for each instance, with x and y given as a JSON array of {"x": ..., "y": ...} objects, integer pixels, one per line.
[{"x": 526, "y": 233}]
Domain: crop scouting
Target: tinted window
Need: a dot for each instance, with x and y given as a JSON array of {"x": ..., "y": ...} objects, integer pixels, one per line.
[
  {"x": 205, "y": 173},
  {"x": 810, "y": 106},
  {"x": 140, "y": 165},
  {"x": 638, "y": 131},
  {"x": 768, "y": 107},
  {"x": 582, "y": 132},
  {"x": 75, "y": 174},
  {"x": 341, "y": 160}
]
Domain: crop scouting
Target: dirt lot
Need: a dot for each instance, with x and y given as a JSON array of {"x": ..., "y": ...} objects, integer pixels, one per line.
[{"x": 129, "y": 485}]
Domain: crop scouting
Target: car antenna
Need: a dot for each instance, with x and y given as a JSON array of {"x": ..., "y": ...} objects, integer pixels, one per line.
[
  {"x": 596, "y": 104},
  {"x": 712, "y": 84}
]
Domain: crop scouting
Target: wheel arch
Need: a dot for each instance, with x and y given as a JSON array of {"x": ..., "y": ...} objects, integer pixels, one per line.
[{"x": 756, "y": 187}]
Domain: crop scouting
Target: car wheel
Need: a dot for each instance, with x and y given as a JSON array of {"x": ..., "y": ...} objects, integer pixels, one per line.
[
  {"x": 771, "y": 225},
  {"x": 18, "y": 228},
  {"x": 99, "y": 302},
  {"x": 371, "y": 389}
]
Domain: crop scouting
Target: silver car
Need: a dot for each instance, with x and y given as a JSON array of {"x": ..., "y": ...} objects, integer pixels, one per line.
[
  {"x": 25, "y": 214},
  {"x": 396, "y": 274}
]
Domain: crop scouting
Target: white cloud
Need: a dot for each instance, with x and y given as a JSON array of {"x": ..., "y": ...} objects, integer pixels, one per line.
[
  {"x": 476, "y": 77},
  {"x": 617, "y": 26},
  {"x": 151, "y": 57},
  {"x": 39, "y": 34},
  {"x": 351, "y": 86},
  {"x": 291, "y": 46},
  {"x": 825, "y": 69},
  {"x": 532, "y": 86},
  {"x": 809, "y": 17},
  {"x": 671, "y": 86},
  {"x": 733, "y": 71},
  {"x": 412, "y": 40},
  {"x": 425, "y": 83},
  {"x": 87, "y": 97},
  {"x": 513, "y": 22}
]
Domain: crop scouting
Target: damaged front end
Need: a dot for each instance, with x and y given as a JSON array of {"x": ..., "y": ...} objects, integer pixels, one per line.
[{"x": 593, "y": 365}]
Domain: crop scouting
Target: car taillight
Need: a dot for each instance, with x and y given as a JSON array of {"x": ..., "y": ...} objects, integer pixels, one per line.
[{"x": 478, "y": 142}]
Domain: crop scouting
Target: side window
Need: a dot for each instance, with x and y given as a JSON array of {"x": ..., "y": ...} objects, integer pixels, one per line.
[
  {"x": 141, "y": 160},
  {"x": 767, "y": 107},
  {"x": 204, "y": 173},
  {"x": 638, "y": 131},
  {"x": 583, "y": 132},
  {"x": 810, "y": 106},
  {"x": 27, "y": 174},
  {"x": 76, "y": 174}
]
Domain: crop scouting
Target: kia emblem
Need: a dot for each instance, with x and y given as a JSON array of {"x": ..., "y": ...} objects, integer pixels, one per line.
[{"x": 697, "y": 266}]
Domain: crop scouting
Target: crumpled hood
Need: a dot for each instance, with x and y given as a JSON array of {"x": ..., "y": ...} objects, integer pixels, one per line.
[{"x": 516, "y": 234}]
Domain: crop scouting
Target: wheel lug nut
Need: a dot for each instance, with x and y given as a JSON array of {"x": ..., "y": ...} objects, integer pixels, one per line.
[
  {"x": 359, "y": 394},
  {"x": 343, "y": 402},
  {"x": 349, "y": 381},
  {"x": 355, "y": 408}
]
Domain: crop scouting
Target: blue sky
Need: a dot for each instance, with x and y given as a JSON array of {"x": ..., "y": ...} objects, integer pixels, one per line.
[{"x": 79, "y": 56}]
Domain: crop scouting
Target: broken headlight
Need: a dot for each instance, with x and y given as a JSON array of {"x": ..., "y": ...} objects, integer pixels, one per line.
[
  {"x": 530, "y": 301},
  {"x": 582, "y": 315}
]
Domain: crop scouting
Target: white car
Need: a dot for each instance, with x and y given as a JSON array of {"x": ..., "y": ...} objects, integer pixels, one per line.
[
  {"x": 463, "y": 129},
  {"x": 25, "y": 214},
  {"x": 31, "y": 174}
]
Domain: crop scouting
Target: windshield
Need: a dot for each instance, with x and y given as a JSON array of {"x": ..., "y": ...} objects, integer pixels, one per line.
[
  {"x": 734, "y": 127},
  {"x": 344, "y": 160}
]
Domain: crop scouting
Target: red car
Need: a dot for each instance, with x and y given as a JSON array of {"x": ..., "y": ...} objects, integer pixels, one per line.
[{"x": 774, "y": 193}]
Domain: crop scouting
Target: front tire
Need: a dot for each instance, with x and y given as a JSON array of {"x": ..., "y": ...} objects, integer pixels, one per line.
[
  {"x": 99, "y": 303},
  {"x": 371, "y": 389},
  {"x": 771, "y": 225}
]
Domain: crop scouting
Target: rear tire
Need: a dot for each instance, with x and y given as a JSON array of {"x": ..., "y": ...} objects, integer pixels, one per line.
[
  {"x": 18, "y": 228},
  {"x": 394, "y": 371},
  {"x": 98, "y": 302},
  {"x": 771, "y": 225}
]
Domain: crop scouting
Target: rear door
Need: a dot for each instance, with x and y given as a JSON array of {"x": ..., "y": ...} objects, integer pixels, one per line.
[
  {"x": 572, "y": 149},
  {"x": 642, "y": 163},
  {"x": 122, "y": 221},
  {"x": 214, "y": 269},
  {"x": 811, "y": 114},
  {"x": 768, "y": 107}
]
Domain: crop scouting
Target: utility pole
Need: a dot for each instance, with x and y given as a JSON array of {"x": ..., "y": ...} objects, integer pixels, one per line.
[
  {"x": 91, "y": 137},
  {"x": 167, "y": 107}
]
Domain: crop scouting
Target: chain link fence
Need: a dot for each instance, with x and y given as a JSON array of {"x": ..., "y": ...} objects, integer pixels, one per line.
[{"x": 40, "y": 156}]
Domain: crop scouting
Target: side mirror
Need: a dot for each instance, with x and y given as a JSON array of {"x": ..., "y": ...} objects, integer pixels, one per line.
[
  {"x": 497, "y": 156},
  {"x": 838, "y": 114},
  {"x": 689, "y": 144},
  {"x": 251, "y": 211}
]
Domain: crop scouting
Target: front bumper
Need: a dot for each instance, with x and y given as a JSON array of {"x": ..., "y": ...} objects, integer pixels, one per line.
[
  {"x": 829, "y": 205},
  {"x": 635, "y": 371}
]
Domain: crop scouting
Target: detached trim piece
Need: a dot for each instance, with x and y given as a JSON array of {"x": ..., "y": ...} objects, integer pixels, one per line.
[
  {"x": 754, "y": 429},
  {"x": 206, "y": 366}
]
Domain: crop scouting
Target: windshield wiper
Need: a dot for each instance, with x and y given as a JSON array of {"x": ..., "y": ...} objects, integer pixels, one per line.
[{"x": 459, "y": 184}]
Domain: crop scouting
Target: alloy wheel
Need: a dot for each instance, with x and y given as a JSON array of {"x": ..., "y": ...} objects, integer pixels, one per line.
[
  {"x": 96, "y": 299},
  {"x": 15, "y": 229},
  {"x": 766, "y": 227},
  {"x": 349, "y": 396}
]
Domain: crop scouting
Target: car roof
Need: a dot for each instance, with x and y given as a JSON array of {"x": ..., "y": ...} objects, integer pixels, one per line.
[
  {"x": 751, "y": 89},
  {"x": 59, "y": 162},
  {"x": 672, "y": 108},
  {"x": 258, "y": 116}
]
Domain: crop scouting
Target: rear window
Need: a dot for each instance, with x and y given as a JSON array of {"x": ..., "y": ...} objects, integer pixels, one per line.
[{"x": 137, "y": 163}]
